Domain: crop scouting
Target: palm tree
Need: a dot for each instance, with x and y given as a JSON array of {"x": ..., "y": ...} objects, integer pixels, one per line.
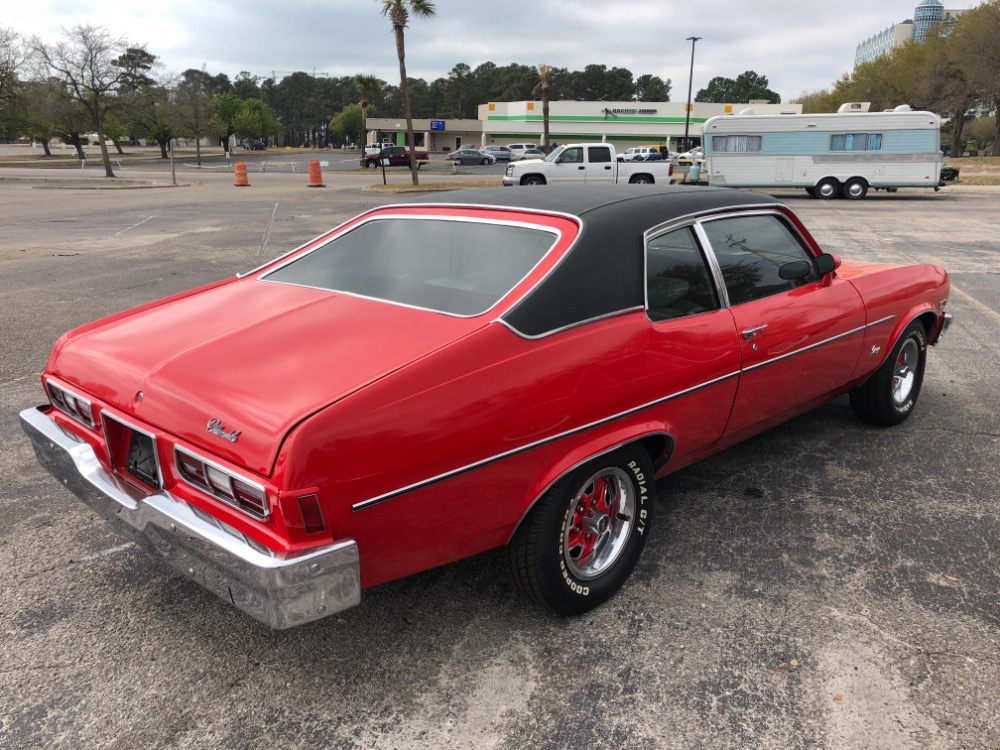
[
  {"x": 368, "y": 88},
  {"x": 543, "y": 86},
  {"x": 398, "y": 11}
]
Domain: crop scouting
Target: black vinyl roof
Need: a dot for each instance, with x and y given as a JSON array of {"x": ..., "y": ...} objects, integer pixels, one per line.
[{"x": 603, "y": 273}]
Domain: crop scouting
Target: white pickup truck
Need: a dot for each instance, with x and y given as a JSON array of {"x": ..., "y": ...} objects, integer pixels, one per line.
[{"x": 586, "y": 162}]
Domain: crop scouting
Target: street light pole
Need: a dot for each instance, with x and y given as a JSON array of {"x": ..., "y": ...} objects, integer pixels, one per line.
[{"x": 687, "y": 118}]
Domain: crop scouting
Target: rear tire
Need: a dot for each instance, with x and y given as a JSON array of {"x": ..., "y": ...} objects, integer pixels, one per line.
[
  {"x": 641, "y": 179},
  {"x": 889, "y": 395},
  {"x": 584, "y": 536},
  {"x": 811, "y": 192},
  {"x": 855, "y": 189},
  {"x": 828, "y": 188}
]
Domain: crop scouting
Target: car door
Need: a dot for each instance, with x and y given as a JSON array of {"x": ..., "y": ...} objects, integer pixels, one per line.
[
  {"x": 599, "y": 164},
  {"x": 692, "y": 343},
  {"x": 570, "y": 167},
  {"x": 799, "y": 339}
]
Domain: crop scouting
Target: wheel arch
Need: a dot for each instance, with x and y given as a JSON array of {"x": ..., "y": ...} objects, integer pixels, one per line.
[
  {"x": 658, "y": 444},
  {"x": 538, "y": 175},
  {"x": 923, "y": 314},
  {"x": 636, "y": 177}
]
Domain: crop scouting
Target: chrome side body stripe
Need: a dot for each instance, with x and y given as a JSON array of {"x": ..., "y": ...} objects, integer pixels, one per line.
[{"x": 606, "y": 420}]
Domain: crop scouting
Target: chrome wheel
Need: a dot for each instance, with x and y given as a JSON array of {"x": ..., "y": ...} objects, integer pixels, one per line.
[
  {"x": 598, "y": 523},
  {"x": 904, "y": 374}
]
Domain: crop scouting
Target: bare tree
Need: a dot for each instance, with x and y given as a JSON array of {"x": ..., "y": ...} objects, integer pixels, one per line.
[
  {"x": 398, "y": 12},
  {"x": 12, "y": 59},
  {"x": 88, "y": 65}
]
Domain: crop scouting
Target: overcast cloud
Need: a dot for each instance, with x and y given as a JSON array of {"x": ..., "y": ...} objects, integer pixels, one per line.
[{"x": 800, "y": 45}]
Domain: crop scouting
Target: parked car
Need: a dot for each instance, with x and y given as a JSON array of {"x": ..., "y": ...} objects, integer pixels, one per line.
[
  {"x": 687, "y": 157},
  {"x": 373, "y": 149},
  {"x": 469, "y": 155},
  {"x": 501, "y": 153},
  {"x": 517, "y": 149},
  {"x": 258, "y": 145},
  {"x": 394, "y": 156},
  {"x": 528, "y": 153},
  {"x": 467, "y": 371},
  {"x": 642, "y": 153}
]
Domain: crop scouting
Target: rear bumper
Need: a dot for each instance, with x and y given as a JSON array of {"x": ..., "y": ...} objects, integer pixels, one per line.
[{"x": 279, "y": 589}]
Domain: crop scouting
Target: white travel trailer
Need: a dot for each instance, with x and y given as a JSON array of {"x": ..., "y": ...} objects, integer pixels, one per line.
[{"x": 831, "y": 155}]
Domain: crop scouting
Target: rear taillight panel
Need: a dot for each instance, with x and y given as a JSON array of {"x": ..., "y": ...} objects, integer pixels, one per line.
[
  {"x": 71, "y": 404},
  {"x": 221, "y": 483}
]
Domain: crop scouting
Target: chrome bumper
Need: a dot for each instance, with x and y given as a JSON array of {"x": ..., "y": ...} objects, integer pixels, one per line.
[{"x": 279, "y": 589}]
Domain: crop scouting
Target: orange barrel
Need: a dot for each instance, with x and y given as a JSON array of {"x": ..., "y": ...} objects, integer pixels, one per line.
[
  {"x": 240, "y": 178},
  {"x": 315, "y": 174}
]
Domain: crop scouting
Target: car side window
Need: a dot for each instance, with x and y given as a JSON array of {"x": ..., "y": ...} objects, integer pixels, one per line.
[
  {"x": 750, "y": 251},
  {"x": 678, "y": 280},
  {"x": 572, "y": 156},
  {"x": 599, "y": 154}
]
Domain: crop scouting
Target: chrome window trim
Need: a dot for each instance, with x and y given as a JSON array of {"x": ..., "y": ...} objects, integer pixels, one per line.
[
  {"x": 105, "y": 415},
  {"x": 571, "y": 326},
  {"x": 209, "y": 490},
  {"x": 535, "y": 444},
  {"x": 556, "y": 233},
  {"x": 694, "y": 220},
  {"x": 49, "y": 383}
]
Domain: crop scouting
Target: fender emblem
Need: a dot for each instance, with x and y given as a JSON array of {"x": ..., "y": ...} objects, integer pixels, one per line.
[
  {"x": 876, "y": 349},
  {"x": 215, "y": 427}
]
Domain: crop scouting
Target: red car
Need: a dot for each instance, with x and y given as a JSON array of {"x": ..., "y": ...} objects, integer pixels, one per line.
[
  {"x": 394, "y": 156},
  {"x": 453, "y": 374}
]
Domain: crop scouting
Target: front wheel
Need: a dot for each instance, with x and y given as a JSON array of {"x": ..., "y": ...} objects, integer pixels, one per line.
[
  {"x": 889, "y": 395},
  {"x": 372, "y": 165},
  {"x": 583, "y": 538},
  {"x": 533, "y": 180},
  {"x": 485, "y": 161}
]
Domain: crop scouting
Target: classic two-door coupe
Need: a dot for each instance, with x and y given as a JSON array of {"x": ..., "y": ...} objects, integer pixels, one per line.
[{"x": 444, "y": 376}]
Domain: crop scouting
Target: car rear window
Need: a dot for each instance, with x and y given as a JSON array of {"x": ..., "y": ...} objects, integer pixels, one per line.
[{"x": 450, "y": 266}]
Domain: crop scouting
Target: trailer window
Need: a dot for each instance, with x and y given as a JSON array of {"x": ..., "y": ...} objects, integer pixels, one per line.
[
  {"x": 736, "y": 144},
  {"x": 856, "y": 142}
]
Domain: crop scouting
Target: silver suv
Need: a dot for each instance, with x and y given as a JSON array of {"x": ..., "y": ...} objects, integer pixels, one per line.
[{"x": 500, "y": 153}]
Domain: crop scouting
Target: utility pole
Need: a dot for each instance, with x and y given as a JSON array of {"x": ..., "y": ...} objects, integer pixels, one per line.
[{"x": 687, "y": 117}]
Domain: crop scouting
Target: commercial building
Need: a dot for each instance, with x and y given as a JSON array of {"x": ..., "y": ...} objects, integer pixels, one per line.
[
  {"x": 622, "y": 124},
  {"x": 926, "y": 15}
]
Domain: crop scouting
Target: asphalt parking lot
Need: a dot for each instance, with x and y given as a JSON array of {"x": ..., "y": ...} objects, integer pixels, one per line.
[{"x": 825, "y": 585}]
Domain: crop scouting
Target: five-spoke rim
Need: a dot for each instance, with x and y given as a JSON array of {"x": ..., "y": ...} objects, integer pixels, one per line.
[
  {"x": 905, "y": 372},
  {"x": 598, "y": 523}
]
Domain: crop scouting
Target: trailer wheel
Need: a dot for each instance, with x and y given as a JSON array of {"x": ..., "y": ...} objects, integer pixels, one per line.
[
  {"x": 828, "y": 188},
  {"x": 855, "y": 189}
]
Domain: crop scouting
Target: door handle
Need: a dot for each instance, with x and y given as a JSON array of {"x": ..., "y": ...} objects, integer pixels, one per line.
[
  {"x": 749, "y": 333},
  {"x": 581, "y": 167}
]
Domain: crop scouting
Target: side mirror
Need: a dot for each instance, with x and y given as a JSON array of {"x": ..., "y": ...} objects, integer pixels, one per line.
[
  {"x": 825, "y": 263},
  {"x": 796, "y": 269}
]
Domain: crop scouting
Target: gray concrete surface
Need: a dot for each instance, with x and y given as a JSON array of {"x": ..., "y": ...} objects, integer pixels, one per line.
[{"x": 826, "y": 585}]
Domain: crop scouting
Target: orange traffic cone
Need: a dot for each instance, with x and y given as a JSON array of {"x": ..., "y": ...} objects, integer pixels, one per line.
[
  {"x": 315, "y": 174},
  {"x": 240, "y": 174}
]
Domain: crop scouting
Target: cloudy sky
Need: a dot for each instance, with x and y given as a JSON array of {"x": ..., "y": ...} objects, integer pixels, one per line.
[{"x": 800, "y": 45}]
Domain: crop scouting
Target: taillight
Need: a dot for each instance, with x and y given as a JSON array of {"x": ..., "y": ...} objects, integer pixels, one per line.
[
  {"x": 222, "y": 484},
  {"x": 70, "y": 404}
]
